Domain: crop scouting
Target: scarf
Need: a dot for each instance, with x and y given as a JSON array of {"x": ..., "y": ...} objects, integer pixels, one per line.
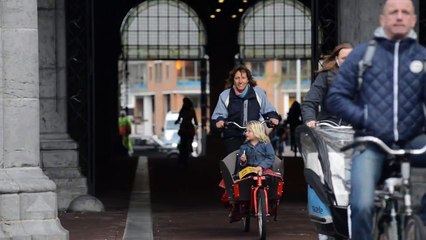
[{"x": 241, "y": 94}]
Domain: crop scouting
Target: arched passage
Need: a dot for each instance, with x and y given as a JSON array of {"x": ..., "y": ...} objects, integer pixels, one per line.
[
  {"x": 275, "y": 42},
  {"x": 162, "y": 61},
  {"x": 94, "y": 47}
]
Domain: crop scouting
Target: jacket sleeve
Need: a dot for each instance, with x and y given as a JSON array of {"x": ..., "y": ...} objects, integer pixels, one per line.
[
  {"x": 314, "y": 97},
  {"x": 341, "y": 95},
  {"x": 266, "y": 108},
  {"x": 221, "y": 111},
  {"x": 268, "y": 162}
]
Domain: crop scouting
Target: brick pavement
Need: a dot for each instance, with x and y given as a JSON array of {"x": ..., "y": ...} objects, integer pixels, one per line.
[
  {"x": 170, "y": 204},
  {"x": 114, "y": 188}
]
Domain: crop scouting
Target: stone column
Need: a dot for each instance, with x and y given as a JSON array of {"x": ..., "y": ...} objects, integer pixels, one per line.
[
  {"x": 59, "y": 153},
  {"x": 28, "y": 206},
  {"x": 358, "y": 19}
]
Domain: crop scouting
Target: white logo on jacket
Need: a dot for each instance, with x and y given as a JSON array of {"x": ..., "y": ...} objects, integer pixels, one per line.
[{"x": 416, "y": 66}]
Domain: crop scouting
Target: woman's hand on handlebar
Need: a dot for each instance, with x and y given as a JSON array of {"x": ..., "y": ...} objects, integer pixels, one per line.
[
  {"x": 220, "y": 124},
  {"x": 274, "y": 121},
  {"x": 311, "y": 124}
]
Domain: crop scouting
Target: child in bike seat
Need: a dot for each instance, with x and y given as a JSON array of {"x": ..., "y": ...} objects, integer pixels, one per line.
[{"x": 257, "y": 150}]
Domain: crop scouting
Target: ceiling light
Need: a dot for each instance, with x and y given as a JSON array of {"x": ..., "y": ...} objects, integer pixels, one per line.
[
  {"x": 221, "y": 1},
  {"x": 240, "y": 10},
  {"x": 212, "y": 16},
  {"x": 218, "y": 10},
  {"x": 234, "y": 16}
]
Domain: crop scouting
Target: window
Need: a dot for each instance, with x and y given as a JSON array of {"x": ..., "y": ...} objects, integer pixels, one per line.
[
  {"x": 289, "y": 71},
  {"x": 162, "y": 29},
  {"x": 258, "y": 70},
  {"x": 158, "y": 71},
  {"x": 187, "y": 70},
  {"x": 141, "y": 73},
  {"x": 275, "y": 29}
]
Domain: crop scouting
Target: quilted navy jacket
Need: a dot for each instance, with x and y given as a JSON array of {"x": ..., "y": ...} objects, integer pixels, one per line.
[{"x": 389, "y": 104}]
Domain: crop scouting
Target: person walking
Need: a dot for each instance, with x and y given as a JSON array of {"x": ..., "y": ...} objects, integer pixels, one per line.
[
  {"x": 188, "y": 122},
  {"x": 241, "y": 102},
  {"x": 388, "y": 103},
  {"x": 125, "y": 129},
  {"x": 294, "y": 119}
]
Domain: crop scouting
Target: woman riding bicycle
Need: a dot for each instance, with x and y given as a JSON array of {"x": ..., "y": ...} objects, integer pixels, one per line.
[{"x": 240, "y": 103}]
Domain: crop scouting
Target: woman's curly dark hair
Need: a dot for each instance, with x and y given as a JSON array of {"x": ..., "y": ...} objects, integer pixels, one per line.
[{"x": 243, "y": 69}]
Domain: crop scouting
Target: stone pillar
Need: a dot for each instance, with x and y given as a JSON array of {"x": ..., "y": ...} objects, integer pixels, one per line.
[
  {"x": 28, "y": 206},
  {"x": 357, "y": 22},
  {"x": 59, "y": 153},
  {"x": 358, "y": 19}
]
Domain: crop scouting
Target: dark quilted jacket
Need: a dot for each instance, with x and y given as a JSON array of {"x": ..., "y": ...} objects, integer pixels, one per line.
[{"x": 389, "y": 104}]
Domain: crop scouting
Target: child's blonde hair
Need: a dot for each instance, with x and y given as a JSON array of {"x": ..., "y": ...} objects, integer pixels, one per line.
[{"x": 258, "y": 130}]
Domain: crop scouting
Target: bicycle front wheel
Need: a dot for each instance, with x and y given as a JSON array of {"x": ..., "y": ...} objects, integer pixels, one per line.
[
  {"x": 261, "y": 213},
  {"x": 388, "y": 231},
  {"x": 414, "y": 228}
]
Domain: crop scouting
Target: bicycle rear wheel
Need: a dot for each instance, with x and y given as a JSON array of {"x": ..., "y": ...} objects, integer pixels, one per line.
[
  {"x": 414, "y": 228},
  {"x": 261, "y": 213},
  {"x": 246, "y": 222}
]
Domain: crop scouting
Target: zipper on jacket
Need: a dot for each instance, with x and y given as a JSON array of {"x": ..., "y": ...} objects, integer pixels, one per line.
[
  {"x": 395, "y": 91},
  {"x": 365, "y": 115}
]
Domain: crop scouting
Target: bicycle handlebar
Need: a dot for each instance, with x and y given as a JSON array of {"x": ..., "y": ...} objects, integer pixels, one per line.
[
  {"x": 370, "y": 139},
  {"x": 331, "y": 124},
  {"x": 227, "y": 123}
]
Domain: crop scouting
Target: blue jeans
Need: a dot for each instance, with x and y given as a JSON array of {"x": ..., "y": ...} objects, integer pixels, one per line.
[{"x": 366, "y": 170}]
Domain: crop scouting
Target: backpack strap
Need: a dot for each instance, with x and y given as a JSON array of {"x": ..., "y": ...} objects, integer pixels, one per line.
[
  {"x": 329, "y": 79},
  {"x": 365, "y": 62}
]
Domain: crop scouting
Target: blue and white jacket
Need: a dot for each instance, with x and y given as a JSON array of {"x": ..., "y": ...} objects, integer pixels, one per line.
[
  {"x": 230, "y": 107},
  {"x": 389, "y": 104}
]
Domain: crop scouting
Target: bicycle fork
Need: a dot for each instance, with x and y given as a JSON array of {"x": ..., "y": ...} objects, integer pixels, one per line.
[
  {"x": 404, "y": 184},
  {"x": 255, "y": 190}
]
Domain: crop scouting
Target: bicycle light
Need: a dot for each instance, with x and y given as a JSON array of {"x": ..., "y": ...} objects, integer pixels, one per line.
[
  {"x": 236, "y": 191},
  {"x": 280, "y": 188}
]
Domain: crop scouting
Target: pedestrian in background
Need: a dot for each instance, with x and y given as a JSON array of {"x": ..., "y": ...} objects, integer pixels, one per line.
[
  {"x": 125, "y": 129},
  {"x": 188, "y": 122},
  {"x": 294, "y": 119}
]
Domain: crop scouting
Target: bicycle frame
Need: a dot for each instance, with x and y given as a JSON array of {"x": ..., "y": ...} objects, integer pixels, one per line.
[
  {"x": 254, "y": 190},
  {"x": 392, "y": 218}
]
